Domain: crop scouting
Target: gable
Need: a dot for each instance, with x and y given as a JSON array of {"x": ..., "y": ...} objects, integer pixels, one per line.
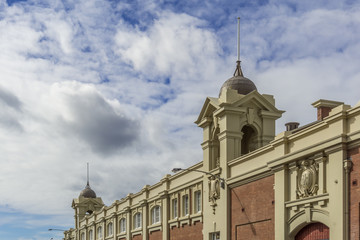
[
  {"x": 256, "y": 100},
  {"x": 210, "y": 105}
]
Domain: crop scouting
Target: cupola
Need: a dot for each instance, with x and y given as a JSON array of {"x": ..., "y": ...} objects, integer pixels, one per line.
[
  {"x": 238, "y": 82},
  {"x": 87, "y": 192}
]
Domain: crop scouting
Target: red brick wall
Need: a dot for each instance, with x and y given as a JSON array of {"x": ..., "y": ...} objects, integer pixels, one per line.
[
  {"x": 156, "y": 235},
  {"x": 187, "y": 232},
  {"x": 354, "y": 193},
  {"x": 313, "y": 231},
  {"x": 137, "y": 237},
  {"x": 252, "y": 210}
]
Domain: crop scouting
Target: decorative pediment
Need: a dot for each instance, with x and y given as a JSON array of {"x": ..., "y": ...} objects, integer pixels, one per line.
[
  {"x": 210, "y": 105},
  {"x": 255, "y": 99},
  {"x": 85, "y": 201}
]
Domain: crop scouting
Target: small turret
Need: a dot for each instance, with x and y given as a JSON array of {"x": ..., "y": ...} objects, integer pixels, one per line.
[{"x": 86, "y": 203}]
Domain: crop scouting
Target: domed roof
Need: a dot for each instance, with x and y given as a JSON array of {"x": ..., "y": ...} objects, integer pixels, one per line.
[
  {"x": 87, "y": 192},
  {"x": 238, "y": 82}
]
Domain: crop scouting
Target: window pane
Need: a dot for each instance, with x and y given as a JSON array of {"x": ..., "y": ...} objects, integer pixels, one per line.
[
  {"x": 99, "y": 232},
  {"x": 175, "y": 208},
  {"x": 122, "y": 225},
  {"x": 197, "y": 201},
  {"x": 185, "y": 205},
  {"x": 109, "y": 229},
  {"x": 155, "y": 214},
  {"x": 137, "y": 220}
]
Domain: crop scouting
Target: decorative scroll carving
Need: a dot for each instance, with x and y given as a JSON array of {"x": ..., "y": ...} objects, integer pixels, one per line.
[
  {"x": 214, "y": 193},
  {"x": 307, "y": 178}
]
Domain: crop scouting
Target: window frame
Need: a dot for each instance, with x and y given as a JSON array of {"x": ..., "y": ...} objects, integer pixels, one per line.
[
  {"x": 109, "y": 229},
  {"x": 137, "y": 220},
  {"x": 122, "y": 225},
  {"x": 186, "y": 205},
  {"x": 197, "y": 201},
  {"x": 99, "y": 232},
  {"x": 156, "y": 214},
  {"x": 91, "y": 234},
  {"x": 175, "y": 208}
]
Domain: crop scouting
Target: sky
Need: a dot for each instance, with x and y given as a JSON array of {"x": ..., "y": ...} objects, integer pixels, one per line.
[{"x": 119, "y": 84}]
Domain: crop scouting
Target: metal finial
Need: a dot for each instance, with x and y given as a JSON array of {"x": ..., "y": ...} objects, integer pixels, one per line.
[
  {"x": 238, "y": 40},
  {"x": 87, "y": 178},
  {"x": 238, "y": 71}
]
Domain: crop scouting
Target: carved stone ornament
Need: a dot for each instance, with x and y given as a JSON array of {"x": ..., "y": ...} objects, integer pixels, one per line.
[
  {"x": 307, "y": 179},
  {"x": 214, "y": 193}
]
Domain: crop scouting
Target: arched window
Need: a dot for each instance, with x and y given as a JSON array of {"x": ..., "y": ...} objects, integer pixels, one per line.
[
  {"x": 91, "y": 235},
  {"x": 82, "y": 237},
  {"x": 99, "y": 232},
  {"x": 248, "y": 141},
  {"x": 155, "y": 215},
  {"x": 122, "y": 225},
  {"x": 109, "y": 229},
  {"x": 137, "y": 220}
]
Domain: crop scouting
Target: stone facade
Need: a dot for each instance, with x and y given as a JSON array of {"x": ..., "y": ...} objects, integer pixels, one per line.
[{"x": 301, "y": 184}]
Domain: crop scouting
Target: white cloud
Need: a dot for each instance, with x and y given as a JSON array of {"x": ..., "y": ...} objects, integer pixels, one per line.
[
  {"x": 176, "y": 45},
  {"x": 82, "y": 83}
]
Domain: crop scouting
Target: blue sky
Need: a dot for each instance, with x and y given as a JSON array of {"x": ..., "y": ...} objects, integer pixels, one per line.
[{"x": 119, "y": 84}]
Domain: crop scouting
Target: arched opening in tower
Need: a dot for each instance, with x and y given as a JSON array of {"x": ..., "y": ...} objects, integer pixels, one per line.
[{"x": 249, "y": 140}]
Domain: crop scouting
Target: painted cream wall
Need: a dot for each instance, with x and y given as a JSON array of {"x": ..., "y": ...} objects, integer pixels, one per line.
[{"x": 326, "y": 142}]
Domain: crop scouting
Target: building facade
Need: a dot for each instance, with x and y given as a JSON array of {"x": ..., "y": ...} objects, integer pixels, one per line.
[{"x": 299, "y": 185}]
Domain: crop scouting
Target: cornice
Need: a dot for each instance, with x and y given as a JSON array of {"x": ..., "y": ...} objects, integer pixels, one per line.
[
  {"x": 334, "y": 143},
  {"x": 204, "y": 122}
]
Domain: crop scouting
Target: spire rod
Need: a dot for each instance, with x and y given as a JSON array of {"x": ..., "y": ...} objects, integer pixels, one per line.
[
  {"x": 87, "y": 178},
  {"x": 238, "y": 71},
  {"x": 238, "y": 40}
]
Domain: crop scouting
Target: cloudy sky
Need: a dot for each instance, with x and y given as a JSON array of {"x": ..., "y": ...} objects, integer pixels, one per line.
[{"x": 119, "y": 84}]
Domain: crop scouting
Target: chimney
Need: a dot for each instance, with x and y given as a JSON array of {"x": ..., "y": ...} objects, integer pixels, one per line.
[
  {"x": 291, "y": 126},
  {"x": 324, "y": 107}
]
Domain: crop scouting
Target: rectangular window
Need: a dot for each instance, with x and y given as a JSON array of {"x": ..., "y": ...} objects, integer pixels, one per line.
[
  {"x": 197, "y": 201},
  {"x": 215, "y": 236},
  {"x": 186, "y": 205},
  {"x": 175, "y": 207}
]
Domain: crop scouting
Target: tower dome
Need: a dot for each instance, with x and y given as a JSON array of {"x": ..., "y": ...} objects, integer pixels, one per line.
[
  {"x": 87, "y": 192},
  {"x": 238, "y": 82}
]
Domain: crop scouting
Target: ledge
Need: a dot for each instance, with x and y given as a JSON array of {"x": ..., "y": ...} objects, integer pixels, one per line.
[
  {"x": 121, "y": 235},
  {"x": 307, "y": 200},
  {"x": 173, "y": 223},
  {"x": 184, "y": 220},
  {"x": 155, "y": 227},
  {"x": 197, "y": 218},
  {"x": 137, "y": 231}
]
